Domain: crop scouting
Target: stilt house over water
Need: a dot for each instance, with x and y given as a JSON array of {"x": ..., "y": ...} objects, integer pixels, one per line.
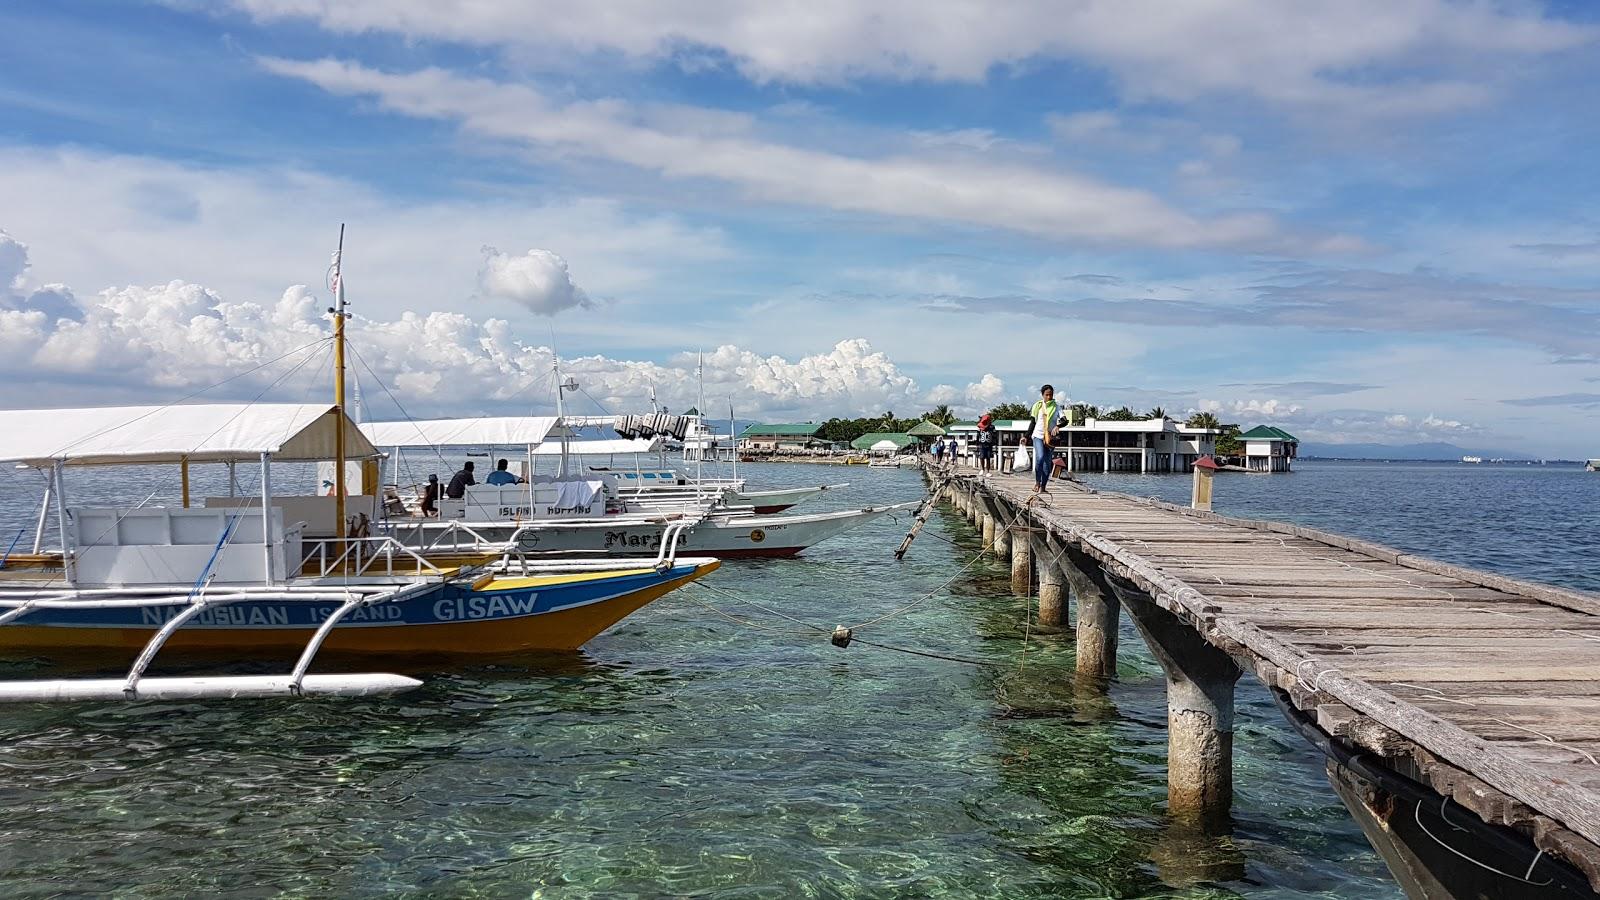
[{"x": 1269, "y": 449}]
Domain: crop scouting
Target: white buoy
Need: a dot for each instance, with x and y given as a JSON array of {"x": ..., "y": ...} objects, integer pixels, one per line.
[{"x": 223, "y": 687}]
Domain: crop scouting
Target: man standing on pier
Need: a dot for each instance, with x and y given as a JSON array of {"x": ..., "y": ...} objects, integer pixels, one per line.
[{"x": 1045, "y": 415}]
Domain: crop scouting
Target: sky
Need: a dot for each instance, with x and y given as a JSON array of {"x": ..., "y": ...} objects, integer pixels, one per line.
[{"x": 1370, "y": 221}]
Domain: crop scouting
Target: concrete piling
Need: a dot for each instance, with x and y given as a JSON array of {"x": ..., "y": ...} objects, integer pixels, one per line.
[
  {"x": 1052, "y": 586},
  {"x": 1021, "y": 561},
  {"x": 1200, "y": 681},
  {"x": 1099, "y": 615}
]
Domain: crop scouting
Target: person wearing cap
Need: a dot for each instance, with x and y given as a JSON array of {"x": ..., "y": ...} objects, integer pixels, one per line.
[
  {"x": 986, "y": 441},
  {"x": 1046, "y": 414},
  {"x": 430, "y": 497}
]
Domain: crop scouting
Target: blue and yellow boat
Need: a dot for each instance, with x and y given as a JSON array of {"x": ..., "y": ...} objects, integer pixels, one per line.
[{"x": 493, "y": 615}]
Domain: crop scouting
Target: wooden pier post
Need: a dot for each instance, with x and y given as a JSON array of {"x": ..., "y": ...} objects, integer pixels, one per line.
[
  {"x": 1052, "y": 585},
  {"x": 1099, "y": 615},
  {"x": 1200, "y": 681}
]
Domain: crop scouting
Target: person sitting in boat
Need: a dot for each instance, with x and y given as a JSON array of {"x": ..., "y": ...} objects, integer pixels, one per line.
[
  {"x": 430, "y": 497},
  {"x": 500, "y": 475},
  {"x": 460, "y": 482}
]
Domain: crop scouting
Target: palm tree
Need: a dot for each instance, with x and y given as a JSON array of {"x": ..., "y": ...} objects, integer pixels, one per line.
[
  {"x": 941, "y": 415},
  {"x": 1156, "y": 412},
  {"x": 1204, "y": 420}
]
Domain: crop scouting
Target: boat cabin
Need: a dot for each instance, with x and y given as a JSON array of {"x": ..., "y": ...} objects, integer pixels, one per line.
[{"x": 257, "y": 538}]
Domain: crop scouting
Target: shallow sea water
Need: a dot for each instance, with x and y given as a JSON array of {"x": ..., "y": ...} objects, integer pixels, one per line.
[{"x": 683, "y": 753}]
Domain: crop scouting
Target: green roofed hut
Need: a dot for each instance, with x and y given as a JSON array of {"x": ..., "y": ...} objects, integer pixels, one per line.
[
  {"x": 925, "y": 432},
  {"x": 1269, "y": 449},
  {"x": 886, "y": 442},
  {"x": 794, "y": 437}
]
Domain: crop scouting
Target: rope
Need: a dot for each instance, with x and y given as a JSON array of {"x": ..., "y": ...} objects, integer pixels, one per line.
[
  {"x": 828, "y": 632},
  {"x": 1417, "y": 814}
]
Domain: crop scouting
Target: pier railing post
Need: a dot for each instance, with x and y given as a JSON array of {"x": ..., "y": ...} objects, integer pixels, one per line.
[
  {"x": 1200, "y": 681},
  {"x": 1099, "y": 615}
]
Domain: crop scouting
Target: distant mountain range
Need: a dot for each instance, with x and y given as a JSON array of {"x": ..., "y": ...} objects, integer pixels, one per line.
[{"x": 1433, "y": 450}]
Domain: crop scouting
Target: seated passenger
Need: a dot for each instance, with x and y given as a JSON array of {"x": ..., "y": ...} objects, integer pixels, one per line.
[
  {"x": 460, "y": 482},
  {"x": 430, "y": 497},
  {"x": 500, "y": 475}
]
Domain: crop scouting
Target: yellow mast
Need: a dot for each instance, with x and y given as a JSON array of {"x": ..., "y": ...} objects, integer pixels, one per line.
[{"x": 338, "y": 394}]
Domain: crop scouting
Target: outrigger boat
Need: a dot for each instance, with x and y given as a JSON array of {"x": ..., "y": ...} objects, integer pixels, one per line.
[
  {"x": 588, "y": 513},
  {"x": 226, "y": 576},
  {"x": 253, "y": 575},
  {"x": 637, "y": 486}
]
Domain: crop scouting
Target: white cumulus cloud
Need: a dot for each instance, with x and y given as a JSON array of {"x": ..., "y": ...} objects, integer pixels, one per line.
[
  {"x": 538, "y": 280},
  {"x": 145, "y": 343}
]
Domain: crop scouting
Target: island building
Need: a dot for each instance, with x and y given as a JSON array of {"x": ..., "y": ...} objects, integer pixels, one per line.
[
  {"x": 1269, "y": 449},
  {"x": 1097, "y": 445},
  {"x": 926, "y": 432},
  {"x": 795, "y": 437},
  {"x": 886, "y": 443}
]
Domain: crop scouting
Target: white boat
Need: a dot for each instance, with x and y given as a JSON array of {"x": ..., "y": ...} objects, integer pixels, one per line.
[
  {"x": 1592, "y": 465},
  {"x": 1473, "y": 460},
  {"x": 727, "y": 535},
  {"x": 588, "y": 513},
  {"x": 656, "y": 483}
]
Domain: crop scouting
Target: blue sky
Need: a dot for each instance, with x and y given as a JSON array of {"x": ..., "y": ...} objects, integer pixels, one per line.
[{"x": 1367, "y": 221}]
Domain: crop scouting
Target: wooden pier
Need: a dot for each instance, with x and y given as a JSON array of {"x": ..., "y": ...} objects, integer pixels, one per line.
[{"x": 1481, "y": 688}]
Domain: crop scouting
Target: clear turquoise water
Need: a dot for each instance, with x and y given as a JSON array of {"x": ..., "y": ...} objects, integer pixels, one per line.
[{"x": 684, "y": 754}]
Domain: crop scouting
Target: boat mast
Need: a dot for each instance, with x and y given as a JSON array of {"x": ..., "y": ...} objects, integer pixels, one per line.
[
  {"x": 339, "y": 316},
  {"x": 700, "y": 456},
  {"x": 561, "y": 409}
]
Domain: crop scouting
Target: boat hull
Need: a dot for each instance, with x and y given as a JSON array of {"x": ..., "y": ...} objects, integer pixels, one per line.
[
  {"x": 505, "y": 615},
  {"x": 765, "y": 503},
  {"x": 724, "y": 537}
]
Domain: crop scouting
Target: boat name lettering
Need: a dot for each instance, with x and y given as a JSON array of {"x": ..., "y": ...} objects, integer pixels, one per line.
[
  {"x": 624, "y": 539},
  {"x": 562, "y": 510},
  {"x": 220, "y": 615},
  {"x": 455, "y": 609},
  {"x": 515, "y": 511}
]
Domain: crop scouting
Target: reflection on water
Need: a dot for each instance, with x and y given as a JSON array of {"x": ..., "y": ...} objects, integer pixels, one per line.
[{"x": 682, "y": 753}]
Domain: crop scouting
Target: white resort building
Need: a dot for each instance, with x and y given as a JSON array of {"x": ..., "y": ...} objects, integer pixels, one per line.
[{"x": 1142, "y": 445}]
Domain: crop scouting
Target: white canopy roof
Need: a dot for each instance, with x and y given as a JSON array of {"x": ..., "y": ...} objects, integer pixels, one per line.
[
  {"x": 600, "y": 448},
  {"x": 209, "y": 432},
  {"x": 490, "y": 431}
]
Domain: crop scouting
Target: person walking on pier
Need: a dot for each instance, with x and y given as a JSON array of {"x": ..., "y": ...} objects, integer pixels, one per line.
[
  {"x": 1046, "y": 413},
  {"x": 986, "y": 436},
  {"x": 938, "y": 452}
]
